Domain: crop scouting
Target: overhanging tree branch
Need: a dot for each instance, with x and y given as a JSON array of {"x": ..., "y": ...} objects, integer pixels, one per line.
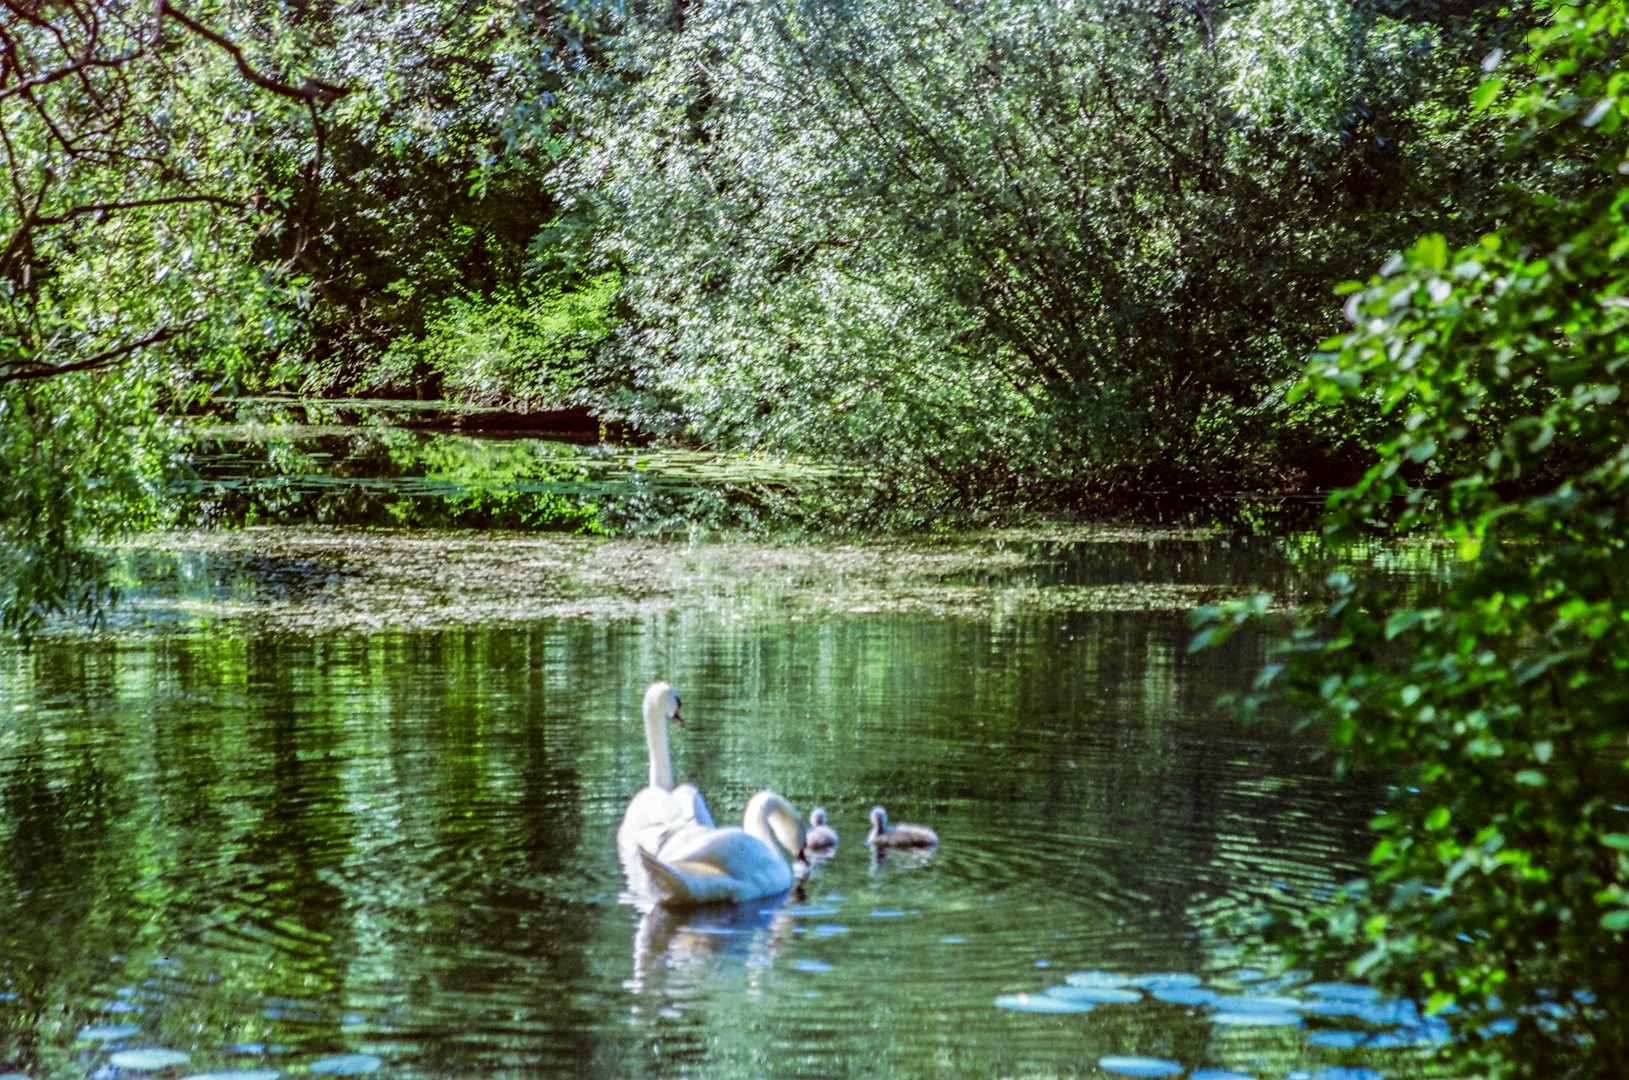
[
  {"x": 30, "y": 369},
  {"x": 135, "y": 204},
  {"x": 310, "y": 90}
]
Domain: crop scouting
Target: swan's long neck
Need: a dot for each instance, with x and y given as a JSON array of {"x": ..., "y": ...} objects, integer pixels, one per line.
[
  {"x": 661, "y": 761},
  {"x": 773, "y": 820}
]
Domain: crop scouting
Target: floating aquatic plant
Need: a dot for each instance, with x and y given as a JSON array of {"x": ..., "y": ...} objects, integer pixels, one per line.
[
  {"x": 1129, "y": 1065},
  {"x": 347, "y": 1064},
  {"x": 1041, "y": 1003},
  {"x": 148, "y": 1060}
]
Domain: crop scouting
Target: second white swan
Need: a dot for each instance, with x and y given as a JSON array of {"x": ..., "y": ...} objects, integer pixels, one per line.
[{"x": 730, "y": 865}]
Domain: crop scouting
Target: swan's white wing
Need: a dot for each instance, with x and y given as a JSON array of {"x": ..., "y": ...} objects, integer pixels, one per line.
[
  {"x": 652, "y": 810},
  {"x": 716, "y": 866},
  {"x": 689, "y": 798}
]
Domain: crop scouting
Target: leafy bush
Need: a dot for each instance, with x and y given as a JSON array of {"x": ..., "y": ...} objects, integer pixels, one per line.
[
  {"x": 1500, "y": 885},
  {"x": 511, "y": 349}
]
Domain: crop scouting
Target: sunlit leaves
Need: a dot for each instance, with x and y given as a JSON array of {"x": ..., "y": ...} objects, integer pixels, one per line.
[
  {"x": 128, "y": 292},
  {"x": 1498, "y": 882},
  {"x": 1022, "y": 249}
]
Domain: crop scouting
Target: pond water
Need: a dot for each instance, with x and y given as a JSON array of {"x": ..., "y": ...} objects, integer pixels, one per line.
[
  {"x": 296, "y": 814},
  {"x": 428, "y": 465}
]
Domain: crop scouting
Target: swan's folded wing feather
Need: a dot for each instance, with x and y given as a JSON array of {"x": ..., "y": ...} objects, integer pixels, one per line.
[
  {"x": 692, "y": 805},
  {"x": 716, "y": 866}
]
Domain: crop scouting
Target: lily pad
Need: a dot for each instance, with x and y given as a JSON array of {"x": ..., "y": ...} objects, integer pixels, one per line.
[
  {"x": 1167, "y": 980},
  {"x": 1259, "y": 1003},
  {"x": 1340, "y": 1040},
  {"x": 1041, "y": 1003},
  {"x": 1256, "y": 1019},
  {"x": 148, "y": 1060},
  {"x": 1395, "y": 1040},
  {"x": 1185, "y": 995},
  {"x": 1397, "y": 1011},
  {"x": 1097, "y": 978},
  {"x": 1332, "y": 1007},
  {"x": 1097, "y": 995},
  {"x": 347, "y": 1064},
  {"x": 1292, "y": 978},
  {"x": 1343, "y": 991},
  {"x": 108, "y": 1032},
  {"x": 1129, "y": 1065}
]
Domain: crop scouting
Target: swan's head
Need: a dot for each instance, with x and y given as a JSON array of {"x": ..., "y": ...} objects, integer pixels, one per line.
[
  {"x": 817, "y": 816},
  {"x": 879, "y": 819},
  {"x": 662, "y": 703}
]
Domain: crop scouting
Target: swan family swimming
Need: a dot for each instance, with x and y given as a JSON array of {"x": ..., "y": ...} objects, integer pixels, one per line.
[{"x": 675, "y": 854}]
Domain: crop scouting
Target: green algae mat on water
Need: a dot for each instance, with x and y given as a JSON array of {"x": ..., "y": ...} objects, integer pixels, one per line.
[{"x": 313, "y": 579}]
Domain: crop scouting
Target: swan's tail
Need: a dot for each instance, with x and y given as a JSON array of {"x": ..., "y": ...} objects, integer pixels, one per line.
[{"x": 666, "y": 884}]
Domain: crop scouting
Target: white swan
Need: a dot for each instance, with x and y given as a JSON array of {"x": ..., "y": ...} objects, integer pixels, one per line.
[
  {"x": 729, "y": 865},
  {"x": 898, "y": 836},
  {"x": 659, "y": 811},
  {"x": 821, "y": 836}
]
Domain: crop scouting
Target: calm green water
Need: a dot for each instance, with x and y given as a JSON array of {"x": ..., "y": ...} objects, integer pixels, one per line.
[
  {"x": 276, "y": 461},
  {"x": 267, "y": 849}
]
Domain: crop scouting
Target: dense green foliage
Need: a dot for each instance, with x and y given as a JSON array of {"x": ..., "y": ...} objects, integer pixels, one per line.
[
  {"x": 130, "y": 196},
  {"x": 429, "y": 194},
  {"x": 203, "y": 197},
  {"x": 1020, "y": 254},
  {"x": 1030, "y": 250},
  {"x": 1500, "y": 888},
  {"x": 1024, "y": 247}
]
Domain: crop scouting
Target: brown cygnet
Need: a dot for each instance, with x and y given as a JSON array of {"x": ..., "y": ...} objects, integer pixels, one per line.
[{"x": 903, "y": 835}]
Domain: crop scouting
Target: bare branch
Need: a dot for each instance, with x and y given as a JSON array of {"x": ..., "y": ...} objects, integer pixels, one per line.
[
  {"x": 311, "y": 89},
  {"x": 106, "y": 358},
  {"x": 135, "y": 204}
]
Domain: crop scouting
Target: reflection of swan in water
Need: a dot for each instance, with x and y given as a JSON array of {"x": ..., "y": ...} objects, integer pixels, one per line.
[
  {"x": 659, "y": 811},
  {"x": 730, "y": 866},
  {"x": 691, "y": 941}
]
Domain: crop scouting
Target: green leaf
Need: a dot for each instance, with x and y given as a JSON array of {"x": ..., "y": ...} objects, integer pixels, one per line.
[
  {"x": 1431, "y": 251},
  {"x": 1616, "y": 921},
  {"x": 1484, "y": 94}
]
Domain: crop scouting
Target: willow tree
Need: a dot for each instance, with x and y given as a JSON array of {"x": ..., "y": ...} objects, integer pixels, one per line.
[
  {"x": 1032, "y": 245},
  {"x": 201, "y": 196}
]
